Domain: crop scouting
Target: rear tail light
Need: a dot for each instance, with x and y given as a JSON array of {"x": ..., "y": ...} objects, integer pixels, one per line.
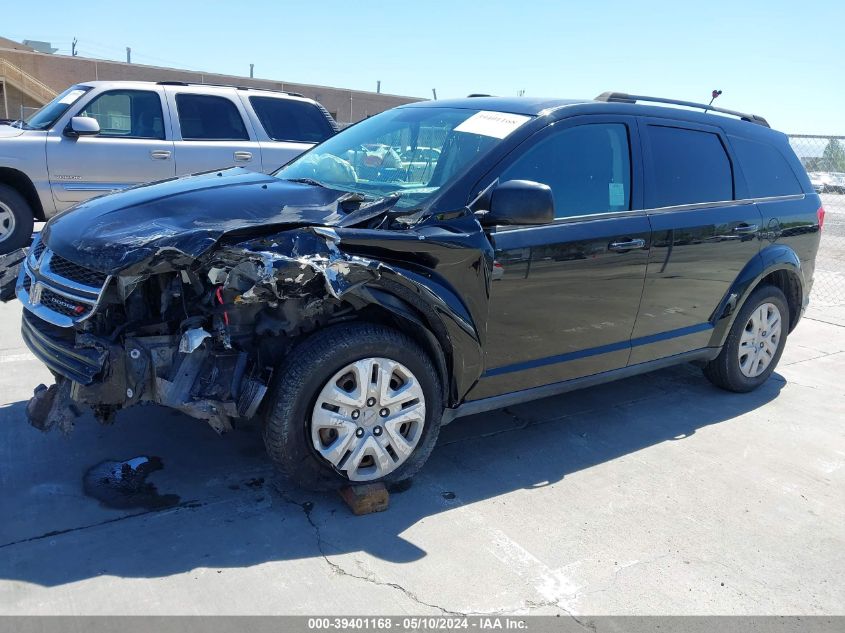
[{"x": 820, "y": 214}]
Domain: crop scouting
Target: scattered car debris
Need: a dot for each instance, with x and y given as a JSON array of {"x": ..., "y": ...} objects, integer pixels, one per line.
[
  {"x": 52, "y": 406},
  {"x": 123, "y": 484},
  {"x": 9, "y": 270}
]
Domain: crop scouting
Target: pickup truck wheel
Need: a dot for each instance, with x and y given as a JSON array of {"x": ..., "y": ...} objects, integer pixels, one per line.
[
  {"x": 16, "y": 220},
  {"x": 353, "y": 403},
  {"x": 754, "y": 344}
]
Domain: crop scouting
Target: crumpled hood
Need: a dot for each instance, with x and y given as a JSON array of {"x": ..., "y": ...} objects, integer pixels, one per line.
[{"x": 183, "y": 218}]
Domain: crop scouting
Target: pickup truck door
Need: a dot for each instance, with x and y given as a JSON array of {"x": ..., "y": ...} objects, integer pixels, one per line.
[
  {"x": 211, "y": 130},
  {"x": 134, "y": 146},
  {"x": 564, "y": 296},
  {"x": 705, "y": 230}
]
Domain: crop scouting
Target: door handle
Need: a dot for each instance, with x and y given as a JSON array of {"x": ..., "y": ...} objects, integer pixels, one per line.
[
  {"x": 160, "y": 154},
  {"x": 745, "y": 228},
  {"x": 243, "y": 156},
  {"x": 628, "y": 245}
]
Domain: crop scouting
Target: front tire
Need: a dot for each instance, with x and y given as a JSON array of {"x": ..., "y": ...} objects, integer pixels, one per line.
[
  {"x": 755, "y": 343},
  {"x": 353, "y": 403},
  {"x": 16, "y": 220}
]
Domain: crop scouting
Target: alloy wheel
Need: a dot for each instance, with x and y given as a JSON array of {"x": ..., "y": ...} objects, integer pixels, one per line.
[
  {"x": 368, "y": 418},
  {"x": 7, "y": 221},
  {"x": 760, "y": 339}
]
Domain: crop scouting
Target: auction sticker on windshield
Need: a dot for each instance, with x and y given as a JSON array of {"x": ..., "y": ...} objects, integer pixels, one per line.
[{"x": 495, "y": 124}]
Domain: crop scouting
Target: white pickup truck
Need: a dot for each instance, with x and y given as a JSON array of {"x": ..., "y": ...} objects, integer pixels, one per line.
[{"x": 104, "y": 136}]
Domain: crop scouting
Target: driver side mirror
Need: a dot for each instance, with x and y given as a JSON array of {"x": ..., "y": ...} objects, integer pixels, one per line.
[
  {"x": 520, "y": 202},
  {"x": 82, "y": 126}
]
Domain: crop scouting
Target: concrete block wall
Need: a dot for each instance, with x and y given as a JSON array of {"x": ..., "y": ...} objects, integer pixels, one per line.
[{"x": 61, "y": 71}]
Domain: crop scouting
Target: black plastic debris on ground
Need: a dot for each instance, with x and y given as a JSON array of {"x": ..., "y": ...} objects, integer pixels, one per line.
[{"x": 123, "y": 484}]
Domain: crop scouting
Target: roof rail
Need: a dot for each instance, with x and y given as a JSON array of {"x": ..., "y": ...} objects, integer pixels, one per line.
[
  {"x": 621, "y": 97},
  {"x": 477, "y": 94},
  {"x": 185, "y": 83}
]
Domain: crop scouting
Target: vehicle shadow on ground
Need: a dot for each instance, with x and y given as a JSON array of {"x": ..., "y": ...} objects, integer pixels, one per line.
[{"x": 236, "y": 512}]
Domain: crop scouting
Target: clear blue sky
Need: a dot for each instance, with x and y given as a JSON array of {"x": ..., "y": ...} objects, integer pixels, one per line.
[{"x": 782, "y": 59}]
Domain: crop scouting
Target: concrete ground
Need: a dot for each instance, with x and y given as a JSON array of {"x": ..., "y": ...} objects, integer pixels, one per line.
[{"x": 654, "y": 495}]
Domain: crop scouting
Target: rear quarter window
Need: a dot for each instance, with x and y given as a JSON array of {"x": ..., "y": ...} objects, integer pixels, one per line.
[
  {"x": 765, "y": 169},
  {"x": 289, "y": 120},
  {"x": 688, "y": 167}
]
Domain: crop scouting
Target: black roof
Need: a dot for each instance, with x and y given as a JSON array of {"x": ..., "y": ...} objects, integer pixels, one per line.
[
  {"x": 515, "y": 105},
  {"x": 534, "y": 106}
]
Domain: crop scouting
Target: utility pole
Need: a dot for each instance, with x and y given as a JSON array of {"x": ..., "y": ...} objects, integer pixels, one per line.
[
  {"x": 378, "y": 86},
  {"x": 73, "y": 48},
  {"x": 128, "y": 55},
  {"x": 251, "y": 69},
  {"x": 434, "y": 93}
]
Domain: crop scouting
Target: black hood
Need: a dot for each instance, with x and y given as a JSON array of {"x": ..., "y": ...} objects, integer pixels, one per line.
[{"x": 184, "y": 217}]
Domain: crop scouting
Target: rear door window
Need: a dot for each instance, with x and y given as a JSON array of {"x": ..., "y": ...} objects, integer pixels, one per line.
[
  {"x": 127, "y": 114},
  {"x": 688, "y": 167},
  {"x": 289, "y": 120},
  {"x": 588, "y": 168},
  {"x": 209, "y": 118},
  {"x": 765, "y": 169}
]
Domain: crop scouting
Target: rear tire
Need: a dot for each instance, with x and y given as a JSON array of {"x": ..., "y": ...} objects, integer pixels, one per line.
[
  {"x": 318, "y": 433},
  {"x": 16, "y": 220},
  {"x": 755, "y": 343}
]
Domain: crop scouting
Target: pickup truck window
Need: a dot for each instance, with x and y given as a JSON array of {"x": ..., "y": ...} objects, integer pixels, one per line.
[
  {"x": 289, "y": 120},
  {"x": 689, "y": 166},
  {"x": 588, "y": 168},
  {"x": 44, "y": 118},
  {"x": 127, "y": 114},
  {"x": 208, "y": 118}
]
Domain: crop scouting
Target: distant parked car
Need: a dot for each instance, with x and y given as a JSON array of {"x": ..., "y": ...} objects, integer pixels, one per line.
[
  {"x": 820, "y": 180},
  {"x": 104, "y": 136},
  {"x": 837, "y": 183}
]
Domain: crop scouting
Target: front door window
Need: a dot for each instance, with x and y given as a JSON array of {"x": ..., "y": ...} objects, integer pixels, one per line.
[
  {"x": 588, "y": 168},
  {"x": 127, "y": 114}
]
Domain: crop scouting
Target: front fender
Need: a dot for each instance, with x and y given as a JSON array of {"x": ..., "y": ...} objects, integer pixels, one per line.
[
  {"x": 448, "y": 325},
  {"x": 771, "y": 259}
]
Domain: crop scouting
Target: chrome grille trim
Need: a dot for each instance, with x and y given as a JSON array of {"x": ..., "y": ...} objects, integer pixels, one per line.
[
  {"x": 36, "y": 276},
  {"x": 65, "y": 269}
]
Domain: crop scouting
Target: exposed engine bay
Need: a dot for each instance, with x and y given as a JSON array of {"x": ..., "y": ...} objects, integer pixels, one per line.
[
  {"x": 203, "y": 339},
  {"x": 203, "y": 332}
]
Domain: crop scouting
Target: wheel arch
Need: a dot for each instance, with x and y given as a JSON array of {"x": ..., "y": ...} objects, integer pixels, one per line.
[
  {"x": 776, "y": 264},
  {"x": 386, "y": 306},
  {"x": 21, "y": 183}
]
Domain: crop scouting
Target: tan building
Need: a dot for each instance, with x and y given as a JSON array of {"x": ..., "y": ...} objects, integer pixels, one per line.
[{"x": 29, "y": 79}]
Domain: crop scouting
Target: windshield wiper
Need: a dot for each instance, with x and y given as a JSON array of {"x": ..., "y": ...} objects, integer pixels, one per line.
[
  {"x": 367, "y": 212},
  {"x": 308, "y": 181}
]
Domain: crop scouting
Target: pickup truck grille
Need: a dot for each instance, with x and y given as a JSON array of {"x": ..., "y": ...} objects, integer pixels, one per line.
[{"x": 57, "y": 290}]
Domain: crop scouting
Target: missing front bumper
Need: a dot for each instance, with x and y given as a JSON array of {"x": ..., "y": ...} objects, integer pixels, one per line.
[{"x": 216, "y": 386}]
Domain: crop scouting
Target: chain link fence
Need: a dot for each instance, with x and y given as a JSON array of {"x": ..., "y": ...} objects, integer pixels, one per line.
[{"x": 824, "y": 159}]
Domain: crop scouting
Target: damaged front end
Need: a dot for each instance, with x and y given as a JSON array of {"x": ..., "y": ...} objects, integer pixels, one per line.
[{"x": 201, "y": 335}]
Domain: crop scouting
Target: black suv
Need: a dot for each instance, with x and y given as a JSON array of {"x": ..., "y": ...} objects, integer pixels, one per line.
[{"x": 436, "y": 260}]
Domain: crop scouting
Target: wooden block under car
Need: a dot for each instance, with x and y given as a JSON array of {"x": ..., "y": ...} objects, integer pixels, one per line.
[{"x": 366, "y": 498}]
